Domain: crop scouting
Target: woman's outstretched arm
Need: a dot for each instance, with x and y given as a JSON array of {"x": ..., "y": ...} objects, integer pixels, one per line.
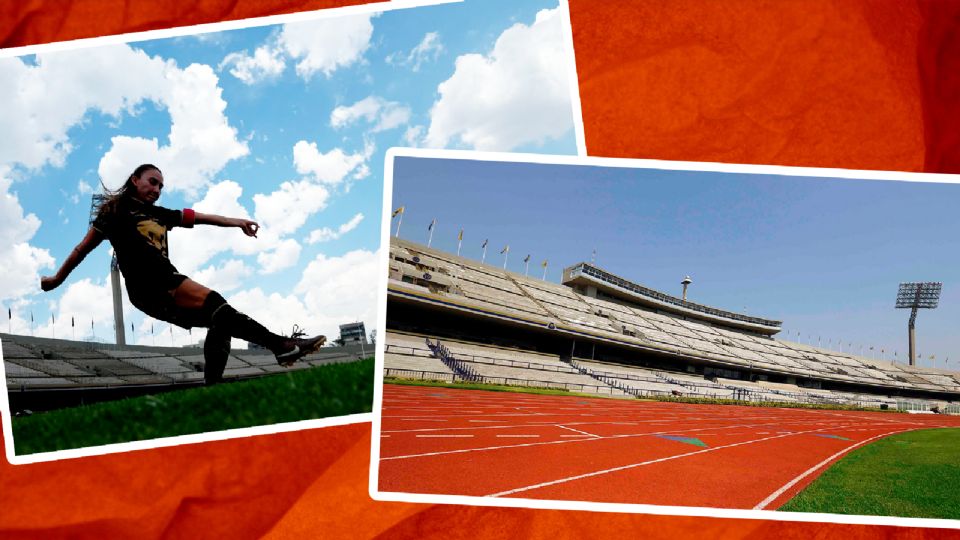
[
  {"x": 249, "y": 227},
  {"x": 88, "y": 244}
]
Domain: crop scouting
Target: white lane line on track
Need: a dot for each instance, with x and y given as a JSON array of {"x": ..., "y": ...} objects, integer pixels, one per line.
[
  {"x": 601, "y": 438},
  {"x": 422, "y": 419},
  {"x": 520, "y": 436},
  {"x": 576, "y": 431},
  {"x": 634, "y": 465},
  {"x": 444, "y": 436},
  {"x": 579, "y": 436},
  {"x": 773, "y": 496},
  {"x": 485, "y": 421}
]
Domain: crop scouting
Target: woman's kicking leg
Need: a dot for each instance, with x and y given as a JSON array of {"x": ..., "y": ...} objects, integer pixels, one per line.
[{"x": 225, "y": 320}]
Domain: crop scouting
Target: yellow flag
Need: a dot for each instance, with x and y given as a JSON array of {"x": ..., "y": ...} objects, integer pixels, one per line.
[{"x": 397, "y": 212}]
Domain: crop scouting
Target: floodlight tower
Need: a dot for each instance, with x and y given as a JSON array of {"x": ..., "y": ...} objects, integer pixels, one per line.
[
  {"x": 114, "y": 278},
  {"x": 686, "y": 281},
  {"x": 916, "y": 295}
]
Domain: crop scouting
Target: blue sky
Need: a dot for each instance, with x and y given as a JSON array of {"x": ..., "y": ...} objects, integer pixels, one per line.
[
  {"x": 823, "y": 255},
  {"x": 284, "y": 124}
]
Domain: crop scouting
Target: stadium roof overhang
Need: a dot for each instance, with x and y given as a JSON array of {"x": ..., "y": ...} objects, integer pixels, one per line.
[
  {"x": 402, "y": 292},
  {"x": 587, "y": 275}
]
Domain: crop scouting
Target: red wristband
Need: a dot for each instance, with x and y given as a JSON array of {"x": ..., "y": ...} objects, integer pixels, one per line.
[{"x": 189, "y": 217}]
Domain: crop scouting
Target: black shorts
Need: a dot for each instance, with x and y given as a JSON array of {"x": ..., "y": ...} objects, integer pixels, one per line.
[{"x": 157, "y": 302}]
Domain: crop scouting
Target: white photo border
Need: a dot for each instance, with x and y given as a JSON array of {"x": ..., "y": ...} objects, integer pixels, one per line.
[
  {"x": 622, "y": 163},
  {"x": 5, "y": 415}
]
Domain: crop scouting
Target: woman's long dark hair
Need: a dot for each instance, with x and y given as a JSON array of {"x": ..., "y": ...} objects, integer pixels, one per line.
[{"x": 110, "y": 200}]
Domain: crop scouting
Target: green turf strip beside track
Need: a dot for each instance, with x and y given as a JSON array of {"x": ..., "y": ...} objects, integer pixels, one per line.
[
  {"x": 459, "y": 385},
  {"x": 913, "y": 474},
  {"x": 318, "y": 392}
]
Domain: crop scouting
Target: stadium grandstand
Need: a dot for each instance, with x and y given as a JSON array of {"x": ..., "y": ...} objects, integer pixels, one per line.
[
  {"x": 450, "y": 318},
  {"x": 45, "y": 374}
]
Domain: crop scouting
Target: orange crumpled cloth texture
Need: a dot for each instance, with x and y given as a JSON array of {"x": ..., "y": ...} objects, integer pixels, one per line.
[{"x": 861, "y": 84}]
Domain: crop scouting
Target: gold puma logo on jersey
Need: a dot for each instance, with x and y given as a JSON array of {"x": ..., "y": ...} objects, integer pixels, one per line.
[{"x": 155, "y": 233}]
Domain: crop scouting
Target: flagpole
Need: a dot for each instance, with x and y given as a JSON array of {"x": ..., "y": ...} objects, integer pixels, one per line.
[
  {"x": 484, "y": 258},
  {"x": 506, "y": 253},
  {"x": 526, "y": 270},
  {"x": 399, "y": 221},
  {"x": 459, "y": 242},
  {"x": 544, "y": 278},
  {"x": 432, "y": 224}
]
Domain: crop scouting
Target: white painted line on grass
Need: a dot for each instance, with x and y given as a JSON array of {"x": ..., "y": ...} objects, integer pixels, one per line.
[{"x": 773, "y": 496}]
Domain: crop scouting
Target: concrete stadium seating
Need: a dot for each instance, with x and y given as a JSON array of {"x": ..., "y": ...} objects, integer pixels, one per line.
[
  {"x": 707, "y": 342},
  {"x": 31, "y": 363}
]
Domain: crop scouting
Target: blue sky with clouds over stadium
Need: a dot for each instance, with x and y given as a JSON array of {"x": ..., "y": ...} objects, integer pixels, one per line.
[
  {"x": 823, "y": 255},
  {"x": 286, "y": 125}
]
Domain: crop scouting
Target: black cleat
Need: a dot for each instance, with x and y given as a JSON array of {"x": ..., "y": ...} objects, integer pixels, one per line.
[{"x": 295, "y": 347}]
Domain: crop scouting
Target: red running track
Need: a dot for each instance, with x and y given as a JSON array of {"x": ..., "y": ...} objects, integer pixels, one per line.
[{"x": 496, "y": 444}]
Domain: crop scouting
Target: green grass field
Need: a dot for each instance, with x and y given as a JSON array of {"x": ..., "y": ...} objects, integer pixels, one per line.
[
  {"x": 492, "y": 387},
  {"x": 673, "y": 399},
  {"x": 914, "y": 474},
  {"x": 319, "y": 392}
]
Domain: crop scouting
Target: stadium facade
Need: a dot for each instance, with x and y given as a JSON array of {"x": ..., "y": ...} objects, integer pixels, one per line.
[{"x": 449, "y": 317}]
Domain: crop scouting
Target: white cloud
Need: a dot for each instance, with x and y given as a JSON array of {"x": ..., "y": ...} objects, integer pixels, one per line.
[
  {"x": 42, "y": 102},
  {"x": 384, "y": 114},
  {"x": 266, "y": 63},
  {"x": 192, "y": 248},
  {"x": 201, "y": 140},
  {"x": 518, "y": 94},
  {"x": 279, "y": 214},
  {"x": 226, "y": 277},
  {"x": 275, "y": 311},
  {"x": 285, "y": 255},
  {"x": 331, "y": 167},
  {"x": 337, "y": 290},
  {"x": 428, "y": 49},
  {"x": 413, "y": 136},
  {"x": 331, "y": 292},
  {"x": 86, "y": 301},
  {"x": 287, "y": 209},
  {"x": 326, "y": 233},
  {"x": 84, "y": 188},
  {"x": 325, "y": 45},
  {"x": 21, "y": 263}
]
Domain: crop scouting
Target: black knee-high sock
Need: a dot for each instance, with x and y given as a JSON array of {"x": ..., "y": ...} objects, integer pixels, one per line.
[
  {"x": 216, "y": 352},
  {"x": 227, "y": 319}
]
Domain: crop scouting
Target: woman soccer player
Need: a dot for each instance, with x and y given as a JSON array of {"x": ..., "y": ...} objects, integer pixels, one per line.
[{"x": 137, "y": 229}]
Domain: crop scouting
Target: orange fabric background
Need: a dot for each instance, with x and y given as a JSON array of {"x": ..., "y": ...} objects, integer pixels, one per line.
[{"x": 848, "y": 83}]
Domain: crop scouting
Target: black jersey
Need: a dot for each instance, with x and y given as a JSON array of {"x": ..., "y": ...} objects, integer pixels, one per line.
[{"x": 138, "y": 233}]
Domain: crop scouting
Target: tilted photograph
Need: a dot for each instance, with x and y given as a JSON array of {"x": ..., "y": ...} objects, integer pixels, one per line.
[
  {"x": 192, "y": 223},
  {"x": 727, "y": 338}
]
